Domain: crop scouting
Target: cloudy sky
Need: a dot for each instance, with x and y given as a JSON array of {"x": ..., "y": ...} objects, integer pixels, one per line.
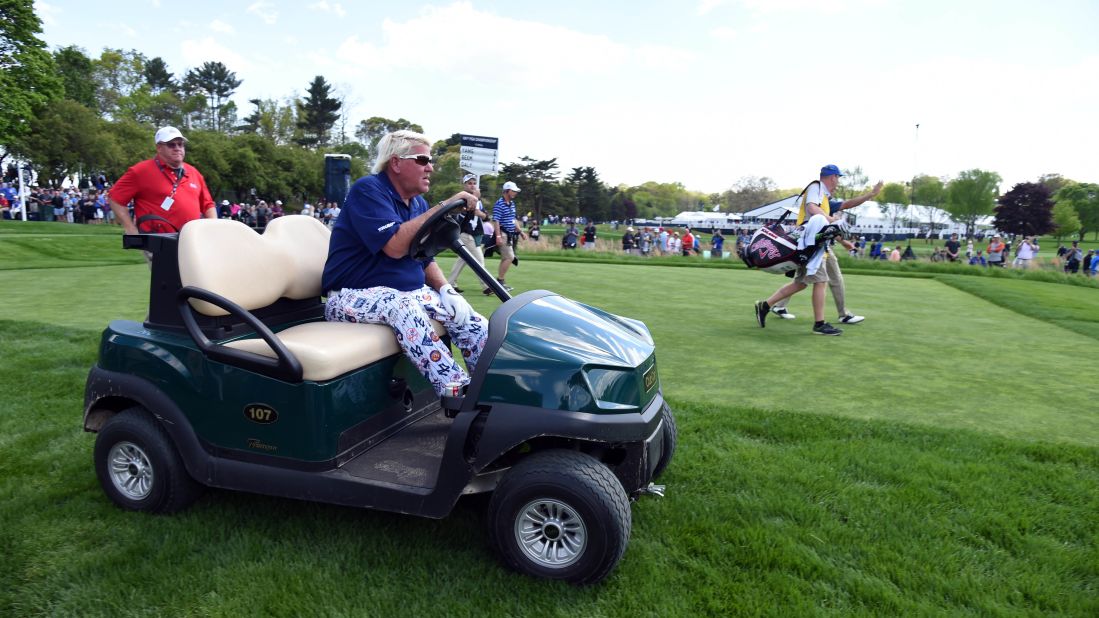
[{"x": 700, "y": 93}]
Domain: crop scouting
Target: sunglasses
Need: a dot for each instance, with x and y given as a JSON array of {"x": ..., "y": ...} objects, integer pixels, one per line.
[{"x": 420, "y": 159}]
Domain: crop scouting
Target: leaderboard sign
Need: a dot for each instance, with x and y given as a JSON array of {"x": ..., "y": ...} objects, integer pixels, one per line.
[{"x": 479, "y": 154}]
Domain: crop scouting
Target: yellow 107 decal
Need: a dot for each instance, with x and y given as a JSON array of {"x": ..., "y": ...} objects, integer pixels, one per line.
[{"x": 260, "y": 413}]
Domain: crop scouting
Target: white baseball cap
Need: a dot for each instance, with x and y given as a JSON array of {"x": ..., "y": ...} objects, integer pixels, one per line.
[
  {"x": 511, "y": 186},
  {"x": 167, "y": 134},
  {"x": 224, "y": 202},
  {"x": 278, "y": 202}
]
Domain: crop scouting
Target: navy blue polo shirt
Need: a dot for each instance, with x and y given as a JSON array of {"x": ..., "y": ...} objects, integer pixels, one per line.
[{"x": 371, "y": 215}]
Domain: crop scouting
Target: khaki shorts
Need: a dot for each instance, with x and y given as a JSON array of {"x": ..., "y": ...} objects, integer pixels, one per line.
[
  {"x": 821, "y": 276},
  {"x": 507, "y": 252}
]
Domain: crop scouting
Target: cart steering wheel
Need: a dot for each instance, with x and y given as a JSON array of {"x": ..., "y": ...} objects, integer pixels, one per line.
[
  {"x": 438, "y": 232},
  {"x": 155, "y": 224}
]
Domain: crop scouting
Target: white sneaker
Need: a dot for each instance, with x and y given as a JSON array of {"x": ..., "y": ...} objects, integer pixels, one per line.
[
  {"x": 782, "y": 313},
  {"x": 851, "y": 319}
]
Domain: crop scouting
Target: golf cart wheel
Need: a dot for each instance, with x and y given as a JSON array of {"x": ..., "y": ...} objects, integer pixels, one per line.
[
  {"x": 671, "y": 438},
  {"x": 560, "y": 515},
  {"x": 139, "y": 467}
]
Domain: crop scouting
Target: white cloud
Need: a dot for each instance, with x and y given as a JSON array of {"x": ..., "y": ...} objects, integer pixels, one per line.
[
  {"x": 219, "y": 26},
  {"x": 705, "y": 6},
  {"x": 724, "y": 33},
  {"x": 265, "y": 11},
  {"x": 320, "y": 60},
  {"x": 48, "y": 13},
  {"x": 807, "y": 6},
  {"x": 196, "y": 52},
  {"x": 324, "y": 7},
  {"x": 663, "y": 57},
  {"x": 488, "y": 46}
]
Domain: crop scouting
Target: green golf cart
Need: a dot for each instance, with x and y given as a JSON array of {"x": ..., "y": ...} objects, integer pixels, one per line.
[{"x": 236, "y": 381}]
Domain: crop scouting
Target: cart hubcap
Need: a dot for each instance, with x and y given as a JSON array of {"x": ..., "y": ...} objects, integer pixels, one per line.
[
  {"x": 551, "y": 533},
  {"x": 131, "y": 472}
]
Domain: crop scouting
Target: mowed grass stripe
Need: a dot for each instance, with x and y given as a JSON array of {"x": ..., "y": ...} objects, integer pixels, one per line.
[
  {"x": 767, "y": 513},
  {"x": 1070, "y": 307},
  {"x": 928, "y": 353}
]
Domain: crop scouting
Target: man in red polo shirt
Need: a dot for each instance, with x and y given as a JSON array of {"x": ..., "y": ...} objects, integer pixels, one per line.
[{"x": 166, "y": 191}]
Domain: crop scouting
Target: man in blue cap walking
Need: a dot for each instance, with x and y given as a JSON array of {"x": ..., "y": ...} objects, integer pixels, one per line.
[{"x": 814, "y": 217}]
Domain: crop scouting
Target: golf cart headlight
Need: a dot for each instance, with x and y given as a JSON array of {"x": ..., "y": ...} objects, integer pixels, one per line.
[{"x": 614, "y": 389}]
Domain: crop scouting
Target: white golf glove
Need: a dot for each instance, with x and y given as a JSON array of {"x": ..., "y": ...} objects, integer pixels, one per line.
[{"x": 454, "y": 304}]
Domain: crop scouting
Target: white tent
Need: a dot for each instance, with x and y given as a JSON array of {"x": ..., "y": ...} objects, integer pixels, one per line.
[
  {"x": 702, "y": 220},
  {"x": 773, "y": 210},
  {"x": 872, "y": 217}
]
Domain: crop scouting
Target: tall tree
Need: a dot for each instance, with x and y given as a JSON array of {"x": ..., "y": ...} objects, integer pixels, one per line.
[
  {"x": 372, "y": 129},
  {"x": 852, "y": 183},
  {"x": 592, "y": 199},
  {"x": 894, "y": 202},
  {"x": 622, "y": 206},
  {"x": 538, "y": 181},
  {"x": 654, "y": 199},
  {"x": 158, "y": 77},
  {"x": 118, "y": 74},
  {"x": 1084, "y": 199},
  {"x": 1053, "y": 182},
  {"x": 317, "y": 113},
  {"x": 441, "y": 146},
  {"x": 65, "y": 137},
  {"x": 1026, "y": 209},
  {"x": 1065, "y": 220},
  {"x": 749, "y": 192},
  {"x": 929, "y": 195},
  {"x": 217, "y": 83},
  {"x": 271, "y": 120},
  {"x": 971, "y": 196},
  {"x": 28, "y": 77},
  {"x": 75, "y": 69}
]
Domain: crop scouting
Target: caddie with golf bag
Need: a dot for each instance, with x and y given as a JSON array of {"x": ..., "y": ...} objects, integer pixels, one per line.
[
  {"x": 816, "y": 229},
  {"x": 832, "y": 264}
]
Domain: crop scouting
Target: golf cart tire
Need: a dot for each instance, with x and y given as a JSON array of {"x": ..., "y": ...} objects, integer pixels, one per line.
[
  {"x": 156, "y": 480},
  {"x": 671, "y": 438},
  {"x": 569, "y": 488}
]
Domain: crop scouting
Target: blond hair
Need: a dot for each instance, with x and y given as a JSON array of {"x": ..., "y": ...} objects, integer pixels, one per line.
[{"x": 396, "y": 144}]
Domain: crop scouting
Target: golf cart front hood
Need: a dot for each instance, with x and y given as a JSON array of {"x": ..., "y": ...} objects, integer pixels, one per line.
[{"x": 556, "y": 353}]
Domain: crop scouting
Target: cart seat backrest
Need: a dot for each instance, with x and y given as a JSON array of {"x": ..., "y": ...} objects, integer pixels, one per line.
[{"x": 253, "y": 270}]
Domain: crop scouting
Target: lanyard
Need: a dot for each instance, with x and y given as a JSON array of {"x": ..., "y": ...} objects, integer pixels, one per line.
[{"x": 178, "y": 174}]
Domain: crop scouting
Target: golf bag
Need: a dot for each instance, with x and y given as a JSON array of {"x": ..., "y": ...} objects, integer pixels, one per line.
[{"x": 773, "y": 250}]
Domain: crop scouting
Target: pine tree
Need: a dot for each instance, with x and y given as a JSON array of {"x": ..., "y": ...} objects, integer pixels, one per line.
[{"x": 317, "y": 113}]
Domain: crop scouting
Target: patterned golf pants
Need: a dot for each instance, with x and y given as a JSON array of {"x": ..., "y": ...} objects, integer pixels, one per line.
[{"x": 408, "y": 314}]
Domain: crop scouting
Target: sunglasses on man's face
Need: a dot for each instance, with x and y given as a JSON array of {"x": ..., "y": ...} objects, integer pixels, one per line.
[{"x": 420, "y": 159}]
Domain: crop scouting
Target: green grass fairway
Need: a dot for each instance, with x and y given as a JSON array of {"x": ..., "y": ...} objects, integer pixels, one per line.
[
  {"x": 927, "y": 352},
  {"x": 941, "y": 458}
]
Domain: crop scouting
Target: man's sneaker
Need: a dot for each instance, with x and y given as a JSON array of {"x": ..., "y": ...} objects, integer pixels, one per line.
[
  {"x": 506, "y": 286},
  {"x": 761, "y": 313},
  {"x": 824, "y": 328},
  {"x": 851, "y": 319},
  {"x": 459, "y": 290},
  {"x": 782, "y": 313},
  {"x": 487, "y": 292}
]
